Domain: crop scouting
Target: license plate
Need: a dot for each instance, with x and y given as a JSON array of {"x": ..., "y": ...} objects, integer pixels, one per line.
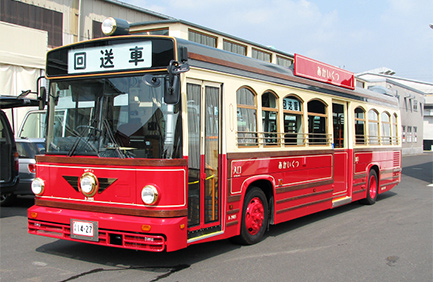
[{"x": 84, "y": 230}]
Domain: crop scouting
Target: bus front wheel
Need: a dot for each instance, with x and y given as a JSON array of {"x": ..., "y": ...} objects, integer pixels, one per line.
[
  {"x": 372, "y": 188},
  {"x": 254, "y": 217}
]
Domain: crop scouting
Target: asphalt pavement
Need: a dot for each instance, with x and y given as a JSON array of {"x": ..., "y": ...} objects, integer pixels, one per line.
[{"x": 389, "y": 241}]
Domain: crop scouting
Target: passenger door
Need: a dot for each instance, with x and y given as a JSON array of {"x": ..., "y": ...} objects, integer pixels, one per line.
[
  {"x": 204, "y": 150},
  {"x": 341, "y": 153}
]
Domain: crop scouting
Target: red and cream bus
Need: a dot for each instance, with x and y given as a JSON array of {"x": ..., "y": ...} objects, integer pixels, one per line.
[{"x": 168, "y": 143}]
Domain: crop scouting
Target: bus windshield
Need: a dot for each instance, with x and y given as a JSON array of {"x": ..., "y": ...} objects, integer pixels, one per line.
[{"x": 121, "y": 117}]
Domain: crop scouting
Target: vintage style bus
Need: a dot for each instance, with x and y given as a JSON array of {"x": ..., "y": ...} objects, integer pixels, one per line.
[{"x": 168, "y": 143}]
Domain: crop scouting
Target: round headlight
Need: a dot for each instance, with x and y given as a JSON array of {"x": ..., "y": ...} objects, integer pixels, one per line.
[
  {"x": 149, "y": 195},
  {"x": 108, "y": 26},
  {"x": 113, "y": 26},
  {"x": 88, "y": 184},
  {"x": 38, "y": 186}
]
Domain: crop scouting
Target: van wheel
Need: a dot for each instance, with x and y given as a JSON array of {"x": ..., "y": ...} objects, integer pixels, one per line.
[
  {"x": 372, "y": 189},
  {"x": 7, "y": 199},
  {"x": 254, "y": 217}
]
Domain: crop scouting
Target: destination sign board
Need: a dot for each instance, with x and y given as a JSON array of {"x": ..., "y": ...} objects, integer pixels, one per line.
[
  {"x": 135, "y": 55},
  {"x": 312, "y": 69},
  {"x": 111, "y": 55}
]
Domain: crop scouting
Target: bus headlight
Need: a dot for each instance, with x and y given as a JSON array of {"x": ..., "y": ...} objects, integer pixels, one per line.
[
  {"x": 38, "y": 186},
  {"x": 88, "y": 184},
  {"x": 149, "y": 194},
  {"x": 113, "y": 26}
]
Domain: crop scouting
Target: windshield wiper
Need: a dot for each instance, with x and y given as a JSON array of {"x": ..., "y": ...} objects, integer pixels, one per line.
[
  {"x": 112, "y": 139},
  {"x": 87, "y": 142}
]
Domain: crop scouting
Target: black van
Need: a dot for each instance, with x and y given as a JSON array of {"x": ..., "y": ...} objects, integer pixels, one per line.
[{"x": 8, "y": 149}]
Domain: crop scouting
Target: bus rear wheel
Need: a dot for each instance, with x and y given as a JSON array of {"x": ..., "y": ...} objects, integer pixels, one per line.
[
  {"x": 254, "y": 217},
  {"x": 372, "y": 188}
]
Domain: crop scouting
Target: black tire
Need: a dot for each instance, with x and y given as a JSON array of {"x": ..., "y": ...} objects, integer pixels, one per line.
[
  {"x": 254, "y": 217},
  {"x": 7, "y": 200},
  {"x": 372, "y": 188}
]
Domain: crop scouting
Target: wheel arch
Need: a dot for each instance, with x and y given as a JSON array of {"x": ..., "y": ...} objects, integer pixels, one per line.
[
  {"x": 370, "y": 198},
  {"x": 267, "y": 184},
  {"x": 376, "y": 168}
]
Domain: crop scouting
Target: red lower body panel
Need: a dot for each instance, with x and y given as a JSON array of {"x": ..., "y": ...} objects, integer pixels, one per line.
[{"x": 113, "y": 230}]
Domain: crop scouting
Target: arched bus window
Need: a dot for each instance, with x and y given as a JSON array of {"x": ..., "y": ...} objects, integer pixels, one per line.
[
  {"x": 270, "y": 118},
  {"x": 359, "y": 126},
  {"x": 386, "y": 128},
  {"x": 373, "y": 127},
  {"x": 293, "y": 116},
  {"x": 247, "y": 117},
  {"x": 317, "y": 124},
  {"x": 394, "y": 130}
]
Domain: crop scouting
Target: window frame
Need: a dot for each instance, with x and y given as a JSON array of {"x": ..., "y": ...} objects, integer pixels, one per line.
[
  {"x": 409, "y": 134},
  {"x": 300, "y": 114},
  {"x": 255, "y": 54},
  {"x": 270, "y": 135},
  {"x": 358, "y": 140},
  {"x": 202, "y": 35},
  {"x": 311, "y": 135},
  {"x": 394, "y": 128},
  {"x": 373, "y": 139},
  {"x": 385, "y": 126},
  {"x": 238, "y": 45},
  {"x": 284, "y": 61},
  {"x": 240, "y": 134}
]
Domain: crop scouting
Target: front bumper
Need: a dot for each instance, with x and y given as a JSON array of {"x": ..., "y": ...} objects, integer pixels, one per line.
[{"x": 123, "y": 231}]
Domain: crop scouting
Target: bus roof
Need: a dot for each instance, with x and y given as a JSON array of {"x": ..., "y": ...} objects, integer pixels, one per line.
[
  {"x": 206, "y": 57},
  {"x": 220, "y": 60}
]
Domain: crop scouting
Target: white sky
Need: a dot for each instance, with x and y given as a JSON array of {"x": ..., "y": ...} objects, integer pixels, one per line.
[{"x": 357, "y": 35}]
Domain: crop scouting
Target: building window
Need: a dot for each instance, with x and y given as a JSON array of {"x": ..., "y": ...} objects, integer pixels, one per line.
[
  {"x": 234, "y": 47},
  {"x": 284, "y": 61},
  {"x": 317, "y": 123},
  {"x": 35, "y": 17},
  {"x": 403, "y": 134},
  {"x": 415, "y": 134},
  {"x": 260, "y": 55},
  {"x": 270, "y": 118},
  {"x": 96, "y": 29},
  {"x": 247, "y": 117},
  {"x": 202, "y": 38},
  {"x": 373, "y": 127},
  {"x": 386, "y": 128},
  {"x": 360, "y": 84},
  {"x": 155, "y": 31},
  {"x": 415, "y": 105},
  {"x": 293, "y": 116},
  {"x": 359, "y": 126},
  {"x": 394, "y": 129},
  {"x": 409, "y": 134}
]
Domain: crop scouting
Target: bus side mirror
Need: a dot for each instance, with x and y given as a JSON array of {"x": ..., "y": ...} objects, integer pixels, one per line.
[
  {"x": 172, "y": 81},
  {"x": 42, "y": 97},
  {"x": 172, "y": 89},
  {"x": 42, "y": 92}
]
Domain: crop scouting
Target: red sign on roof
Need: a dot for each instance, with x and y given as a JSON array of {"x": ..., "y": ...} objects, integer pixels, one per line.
[{"x": 319, "y": 71}]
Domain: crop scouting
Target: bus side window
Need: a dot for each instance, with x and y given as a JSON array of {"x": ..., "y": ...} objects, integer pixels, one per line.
[
  {"x": 359, "y": 126},
  {"x": 293, "y": 116},
  {"x": 247, "y": 117},
  {"x": 317, "y": 123}
]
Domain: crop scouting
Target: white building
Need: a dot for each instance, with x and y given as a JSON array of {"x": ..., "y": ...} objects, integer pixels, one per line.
[
  {"x": 416, "y": 106},
  {"x": 29, "y": 28}
]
